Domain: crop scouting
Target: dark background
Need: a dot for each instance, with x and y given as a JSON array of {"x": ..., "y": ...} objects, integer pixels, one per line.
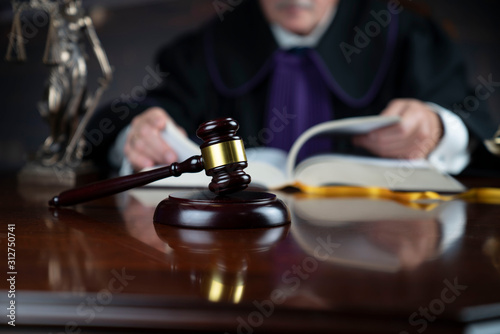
[{"x": 131, "y": 31}]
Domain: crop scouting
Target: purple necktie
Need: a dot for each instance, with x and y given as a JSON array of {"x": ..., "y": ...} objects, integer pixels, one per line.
[{"x": 298, "y": 100}]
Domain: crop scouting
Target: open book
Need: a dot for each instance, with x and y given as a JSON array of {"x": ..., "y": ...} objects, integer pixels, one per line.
[{"x": 272, "y": 168}]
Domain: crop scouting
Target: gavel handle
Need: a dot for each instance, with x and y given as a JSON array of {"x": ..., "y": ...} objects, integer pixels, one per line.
[{"x": 113, "y": 186}]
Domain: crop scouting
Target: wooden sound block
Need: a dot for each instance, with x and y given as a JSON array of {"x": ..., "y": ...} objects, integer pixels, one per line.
[{"x": 206, "y": 210}]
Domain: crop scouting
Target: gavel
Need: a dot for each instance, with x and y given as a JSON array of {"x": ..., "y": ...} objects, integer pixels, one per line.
[{"x": 222, "y": 157}]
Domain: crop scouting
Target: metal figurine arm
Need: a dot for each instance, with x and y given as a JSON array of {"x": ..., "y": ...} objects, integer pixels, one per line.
[{"x": 98, "y": 51}]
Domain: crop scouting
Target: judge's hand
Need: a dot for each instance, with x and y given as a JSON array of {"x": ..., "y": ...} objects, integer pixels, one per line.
[
  {"x": 145, "y": 146},
  {"x": 414, "y": 137}
]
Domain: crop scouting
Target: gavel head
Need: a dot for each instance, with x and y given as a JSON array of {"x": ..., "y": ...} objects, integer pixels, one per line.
[{"x": 223, "y": 156}]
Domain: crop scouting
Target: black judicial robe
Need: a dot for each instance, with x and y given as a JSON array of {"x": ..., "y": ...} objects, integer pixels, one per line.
[{"x": 222, "y": 70}]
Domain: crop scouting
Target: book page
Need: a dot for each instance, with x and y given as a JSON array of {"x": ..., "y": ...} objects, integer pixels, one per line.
[
  {"x": 184, "y": 148},
  {"x": 182, "y": 145},
  {"x": 347, "y": 126},
  {"x": 394, "y": 174},
  {"x": 266, "y": 167}
]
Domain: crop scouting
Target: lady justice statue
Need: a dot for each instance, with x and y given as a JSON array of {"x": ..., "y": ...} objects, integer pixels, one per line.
[{"x": 67, "y": 105}]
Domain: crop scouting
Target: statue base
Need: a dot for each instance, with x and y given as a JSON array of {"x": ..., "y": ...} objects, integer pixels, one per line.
[{"x": 35, "y": 173}]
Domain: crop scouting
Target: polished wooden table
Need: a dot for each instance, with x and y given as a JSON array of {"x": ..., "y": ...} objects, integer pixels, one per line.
[{"x": 344, "y": 265}]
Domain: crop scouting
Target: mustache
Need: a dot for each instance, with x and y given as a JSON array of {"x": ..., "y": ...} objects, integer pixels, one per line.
[{"x": 305, "y": 4}]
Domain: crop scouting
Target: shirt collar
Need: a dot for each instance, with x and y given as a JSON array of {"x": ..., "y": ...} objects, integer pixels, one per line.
[{"x": 287, "y": 40}]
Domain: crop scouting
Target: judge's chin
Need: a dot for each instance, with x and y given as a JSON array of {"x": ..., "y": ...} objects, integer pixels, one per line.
[{"x": 297, "y": 16}]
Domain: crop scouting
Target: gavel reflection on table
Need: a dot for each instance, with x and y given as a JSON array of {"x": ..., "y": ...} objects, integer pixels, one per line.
[{"x": 224, "y": 206}]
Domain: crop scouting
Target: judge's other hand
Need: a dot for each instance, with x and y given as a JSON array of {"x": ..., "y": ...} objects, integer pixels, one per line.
[
  {"x": 414, "y": 137},
  {"x": 144, "y": 146}
]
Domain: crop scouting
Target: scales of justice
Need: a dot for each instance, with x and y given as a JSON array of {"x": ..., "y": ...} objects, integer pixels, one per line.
[{"x": 67, "y": 105}]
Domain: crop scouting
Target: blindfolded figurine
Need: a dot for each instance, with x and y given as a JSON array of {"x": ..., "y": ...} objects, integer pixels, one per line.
[{"x": 65, "y": 97}]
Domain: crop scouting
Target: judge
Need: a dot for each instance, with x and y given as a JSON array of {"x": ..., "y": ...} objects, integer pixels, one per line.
[{"x": 282, "y": 66}]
